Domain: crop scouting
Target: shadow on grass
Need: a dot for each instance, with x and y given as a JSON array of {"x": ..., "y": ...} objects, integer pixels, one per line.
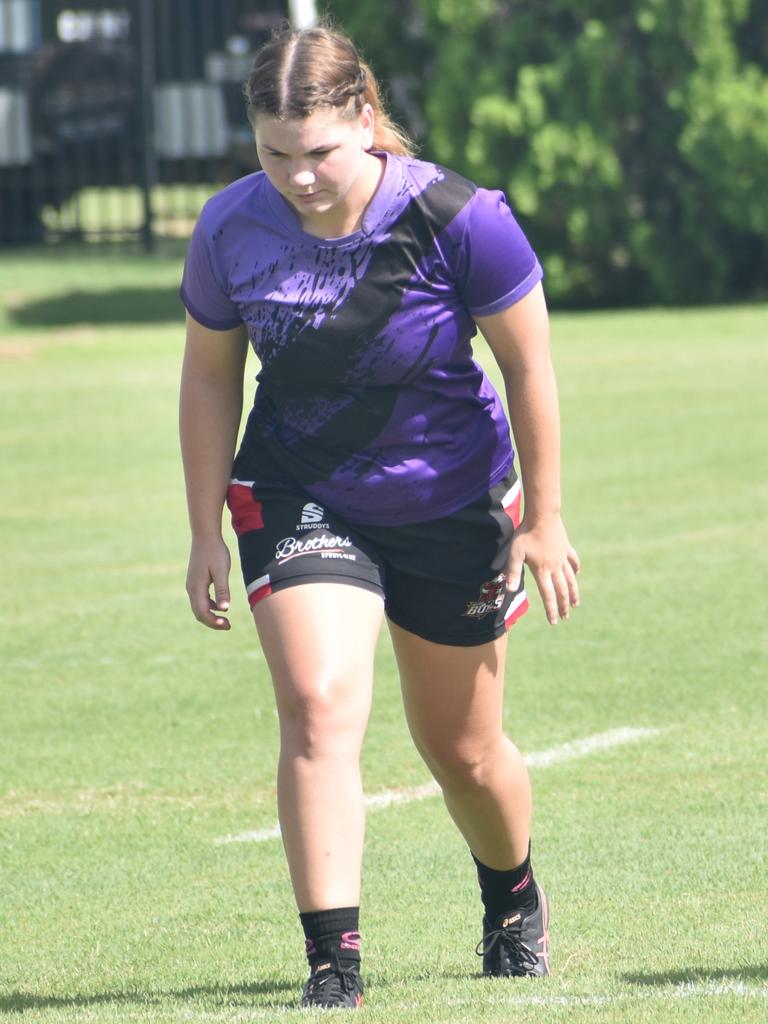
[
  {"x": 266, "y": 993},
  {"x": 116, "y": 306},
  {"x": 756, "y": 972},
  {"x": 374, "y": 980},
  {"x": 21, "y": 1002}
]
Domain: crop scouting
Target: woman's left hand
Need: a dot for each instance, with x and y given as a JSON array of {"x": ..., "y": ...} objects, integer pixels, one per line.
[{"x": 544, "y": 547}]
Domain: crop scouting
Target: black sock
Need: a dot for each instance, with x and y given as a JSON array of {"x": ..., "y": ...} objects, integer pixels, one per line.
[
  {"x": 501, "y": 891},
  {"x": 332, "y": 933}
]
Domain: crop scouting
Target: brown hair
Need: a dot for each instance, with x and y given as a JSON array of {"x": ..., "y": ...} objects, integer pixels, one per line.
[{"x": 301, "y": 70}]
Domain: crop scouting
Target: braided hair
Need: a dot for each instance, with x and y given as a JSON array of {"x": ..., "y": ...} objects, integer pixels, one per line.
[{"x": 301, "y": 70}]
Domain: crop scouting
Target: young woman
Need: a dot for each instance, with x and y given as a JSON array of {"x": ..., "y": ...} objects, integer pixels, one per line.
[{"x": 375, "y": 476}]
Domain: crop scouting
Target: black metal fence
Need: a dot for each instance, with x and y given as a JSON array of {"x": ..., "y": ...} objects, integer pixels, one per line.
[{"x": 118, "y": 117}]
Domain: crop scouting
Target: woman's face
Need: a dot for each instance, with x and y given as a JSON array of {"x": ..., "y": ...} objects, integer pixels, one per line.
[{"x": 317, "y": 162}]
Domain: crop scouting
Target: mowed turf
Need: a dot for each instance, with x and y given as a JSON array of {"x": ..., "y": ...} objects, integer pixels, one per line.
[{"x": 133, "y": 739}]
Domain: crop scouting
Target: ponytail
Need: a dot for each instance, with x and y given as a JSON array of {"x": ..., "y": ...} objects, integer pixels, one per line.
[{"x": 388, "y": 137}]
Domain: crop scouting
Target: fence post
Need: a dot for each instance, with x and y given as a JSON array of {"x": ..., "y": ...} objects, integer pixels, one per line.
[
  {"x": 147, "y": 155},
  {"x": 303, "y": 13}
]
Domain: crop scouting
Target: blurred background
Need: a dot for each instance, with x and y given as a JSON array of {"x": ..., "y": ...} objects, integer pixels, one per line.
[{"x": 630, "y": 138}]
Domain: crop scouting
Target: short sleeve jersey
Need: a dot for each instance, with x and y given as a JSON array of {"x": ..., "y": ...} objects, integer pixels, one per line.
[{"x": 368, "y": 397}]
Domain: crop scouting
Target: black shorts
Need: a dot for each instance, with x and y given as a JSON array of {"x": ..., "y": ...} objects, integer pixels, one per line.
[{"x": 443, "y": 579}]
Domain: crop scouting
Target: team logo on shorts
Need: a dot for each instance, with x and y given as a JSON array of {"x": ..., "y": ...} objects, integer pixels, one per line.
[
  {"x": 312, "y": 516},
  {"x": 491, "y": 598},
  {"x": 327, "y": 546}
]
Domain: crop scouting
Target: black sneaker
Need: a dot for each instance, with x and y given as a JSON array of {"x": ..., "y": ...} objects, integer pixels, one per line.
[
  {"x": 331, "y": 984},
  {"x": 516, "y": 944}
]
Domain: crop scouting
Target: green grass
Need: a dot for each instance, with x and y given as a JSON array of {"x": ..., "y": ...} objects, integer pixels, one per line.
[{"x": 133, "y": 738}]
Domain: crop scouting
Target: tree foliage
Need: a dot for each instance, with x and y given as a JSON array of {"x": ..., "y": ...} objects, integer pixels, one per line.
[{"x": 631, "y": 139}]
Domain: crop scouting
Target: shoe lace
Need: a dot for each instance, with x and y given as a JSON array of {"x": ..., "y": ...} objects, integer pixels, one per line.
[
  {"x": 336, "y": 981},
  {"x": 516, "y": 949}
]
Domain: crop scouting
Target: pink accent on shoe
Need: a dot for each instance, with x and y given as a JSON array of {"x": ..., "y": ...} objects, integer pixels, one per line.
[{"x": 311, "y": 948}]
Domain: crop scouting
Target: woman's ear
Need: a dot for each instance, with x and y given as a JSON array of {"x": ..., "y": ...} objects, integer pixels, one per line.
[{"x": 368, "y": 125}]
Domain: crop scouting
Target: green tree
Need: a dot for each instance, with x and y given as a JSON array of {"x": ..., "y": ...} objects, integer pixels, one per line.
[{"x": 632, "y": 140}]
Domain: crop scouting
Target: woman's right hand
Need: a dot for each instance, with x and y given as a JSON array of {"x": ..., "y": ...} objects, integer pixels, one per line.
[
  {"x": 209, "y": 564},
  {"x": 211, "y": 401}
]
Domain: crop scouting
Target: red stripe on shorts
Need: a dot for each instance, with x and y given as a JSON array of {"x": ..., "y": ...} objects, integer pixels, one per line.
[
  {"x": 256, "y": 595},
  {"x": 511, "y": 503},
  {"x": 246, "y": 511},
  {"x": 517, "y": 609}
]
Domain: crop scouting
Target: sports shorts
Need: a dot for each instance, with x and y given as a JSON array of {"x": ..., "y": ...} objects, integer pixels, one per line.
[{"x": 443, "y": 579}]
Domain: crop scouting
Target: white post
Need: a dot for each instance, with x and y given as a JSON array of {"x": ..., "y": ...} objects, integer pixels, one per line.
[
  {"x": 17, "y": 26},
  {"x": 303, "y": 13}
]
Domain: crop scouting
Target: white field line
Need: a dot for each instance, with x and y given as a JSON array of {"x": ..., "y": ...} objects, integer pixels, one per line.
[
  {"x": 686, "y": 990},
  {"x": 541, "y": 759}
]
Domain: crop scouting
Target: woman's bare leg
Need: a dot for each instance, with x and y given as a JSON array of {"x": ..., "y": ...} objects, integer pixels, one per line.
[
  {"x": 319, "y": 641},
  {"x": 453, "y": 699}
]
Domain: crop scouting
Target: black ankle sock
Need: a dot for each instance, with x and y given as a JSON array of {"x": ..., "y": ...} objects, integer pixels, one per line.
[
  {"x": 501, "y": 891},
  {"x": 332, "y": 933}
]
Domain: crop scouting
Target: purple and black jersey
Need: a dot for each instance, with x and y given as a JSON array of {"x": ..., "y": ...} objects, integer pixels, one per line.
[{"x": 368, "y": 397}]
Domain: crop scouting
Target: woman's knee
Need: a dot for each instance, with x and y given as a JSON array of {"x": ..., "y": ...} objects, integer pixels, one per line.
[
  {"x": 319, "y": 641},
  {"x": 463, "y": 763},
  {"x": 321, "y": 718}
]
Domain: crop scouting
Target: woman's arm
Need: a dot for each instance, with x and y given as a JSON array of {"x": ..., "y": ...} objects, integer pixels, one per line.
[
  {"x": 519, "y": 340},
  {"x": 210, "y": 406}
]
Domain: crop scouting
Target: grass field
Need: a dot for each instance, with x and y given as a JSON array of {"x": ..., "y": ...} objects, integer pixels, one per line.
[{"x": 133, "y": 740}]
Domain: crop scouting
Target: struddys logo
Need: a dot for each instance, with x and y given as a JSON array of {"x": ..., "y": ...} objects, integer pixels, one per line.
[
  {"x": 312, "y": 516},
  {"x": 491, "y": 598}
]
